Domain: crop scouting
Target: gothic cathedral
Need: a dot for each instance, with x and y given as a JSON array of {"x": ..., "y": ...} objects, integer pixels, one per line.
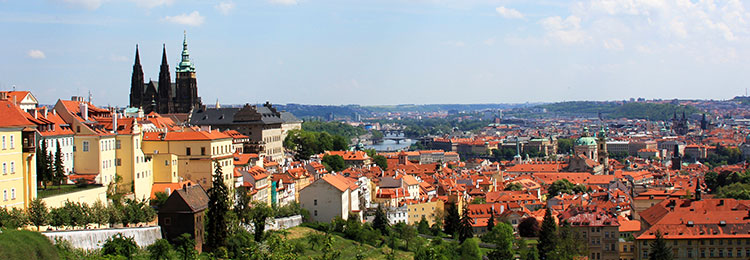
[{"x": 165, "y": 96}]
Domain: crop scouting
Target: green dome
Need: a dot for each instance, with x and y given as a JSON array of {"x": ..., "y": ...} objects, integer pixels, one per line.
[{"x": 586, "y": 141}]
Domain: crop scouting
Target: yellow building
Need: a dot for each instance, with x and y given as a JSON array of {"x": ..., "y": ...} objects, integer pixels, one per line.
[
  {"x": 423, "y": 208},
  {"x": 17, "y": 156},
  {"x": 164, "y": 167},
  {"x": 94, "y": 150},
  {"x": 196, "y": 152},
  {"x": 133, "y": 166}
]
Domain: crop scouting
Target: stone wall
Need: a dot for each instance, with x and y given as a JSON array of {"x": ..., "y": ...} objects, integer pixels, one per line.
[{"x": 89, "y": 239}]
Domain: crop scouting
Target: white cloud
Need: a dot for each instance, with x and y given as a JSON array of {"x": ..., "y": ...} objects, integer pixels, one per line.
[
  {"x": 566, "y": 30},
  {"x": 152, "y": 3},
  {"x": 36, "y": 54},
  {"x": 509, "y": 13},
  {"x": 651, "y": 25},
  {"x": 192, "y": 19},
  {"x": 613, "y": 44},
  {"x": 224, "y": 7},
  {"x": 88, "y": 4},
  {"x": 283, "y": 2}
]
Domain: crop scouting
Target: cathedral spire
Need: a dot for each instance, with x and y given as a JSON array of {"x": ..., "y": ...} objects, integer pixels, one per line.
[
  {"x": 164, "y": 55},
  {"x": 137, "y": 57},
  {"x": 185, "y": 65},
  {"x": 136, "y": 81}
]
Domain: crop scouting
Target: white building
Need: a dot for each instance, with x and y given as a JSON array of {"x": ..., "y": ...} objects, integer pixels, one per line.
[{"x": 329, "y": 197}]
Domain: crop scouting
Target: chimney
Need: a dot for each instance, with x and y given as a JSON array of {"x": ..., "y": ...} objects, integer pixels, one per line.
[
  {"x": 84, "y": 107},
  {"x": 45, "y": 111},
  {"x": 114, "y": 122},
  {"x": 36, "y": 114},
  {"x": 3, "y": 95}
]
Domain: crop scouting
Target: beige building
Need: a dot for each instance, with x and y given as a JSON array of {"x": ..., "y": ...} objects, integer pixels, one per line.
[
  {"x": 197, "y": 153},
  {"x": 424, "y": 208},
  {"x": 94, "y": 146},
  {"x": 329, "y": 197},
  {"x": 17, "y": 156},
  {"x": 133, "y": 166}
]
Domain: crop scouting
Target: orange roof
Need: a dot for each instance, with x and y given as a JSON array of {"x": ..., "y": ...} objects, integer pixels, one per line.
[
  {"x": 349, "y": 155},
  {"x": 340, "y": 182},
  {"x": 162, "y": 187},
  {"x": 13, "y": 116}
]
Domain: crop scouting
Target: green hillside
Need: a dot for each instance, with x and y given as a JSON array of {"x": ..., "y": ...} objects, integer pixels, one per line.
[{"x": 27, "y": 245}]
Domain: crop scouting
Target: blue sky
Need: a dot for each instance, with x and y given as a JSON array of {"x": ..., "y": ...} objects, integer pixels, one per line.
[{"x": 383, "y": 52}]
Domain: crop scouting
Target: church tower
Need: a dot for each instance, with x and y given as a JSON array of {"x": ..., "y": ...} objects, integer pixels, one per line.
[
  {"x": 165, "y": 105},
  {"x": 602, "y": 154},
  {"x": 136, "y": 82},
  {"x": 187, "y": 86}
]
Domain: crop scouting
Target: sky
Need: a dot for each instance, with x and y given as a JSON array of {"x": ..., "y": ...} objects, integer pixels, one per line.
[{"x": 382, "y": 51}]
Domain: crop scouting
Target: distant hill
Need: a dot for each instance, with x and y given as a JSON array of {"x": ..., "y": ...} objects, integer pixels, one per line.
[
  {"x": 349, "y": 111},
  {"x": 632, "y": 110}
]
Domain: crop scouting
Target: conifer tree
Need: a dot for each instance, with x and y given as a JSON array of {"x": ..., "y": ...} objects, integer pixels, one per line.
[
  {"x": 491, "y": 221},
  {"x": 452, "y": 220},
  {"x": 659, "y": 249},
  {"x": 547, "y": 235},
  {"x": 42, "y": 165},
  {"x": 218, "y": 205},
  {"x": 59, "y": 170},
  {"x": 464, "y": 229},
  {"x": 381, "y": 221}
]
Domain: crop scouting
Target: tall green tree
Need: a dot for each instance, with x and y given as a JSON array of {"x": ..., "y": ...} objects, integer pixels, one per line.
[
  {"x": 568, "y": 245},
  {"x": 185, "y": 246},
  {"x": 119, "y": 245},
  {"x": 465, "y": 231},
  {"x": 491, "y": 220},
  {"x": 43, "y": 171},
  {"x": 452, "y": 220},
  {"x": 659, "y": 249},
  {"x": 218, "y": 205},
  {"x": 58, "y": 173},
  {"x": 469, "y": 250},
  {"x": 547, "y": 235},
  {"x": 159, "y": 250},
  {"x": 423, "y": 227},
  {"x": 38, "y": 213},
  {"x": 381, "y": 221}
]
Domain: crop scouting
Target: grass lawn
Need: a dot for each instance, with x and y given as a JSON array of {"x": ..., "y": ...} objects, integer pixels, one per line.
[
  {"x": 348, "y": 248},
  {"x": 66, "y": 188},
  {"x": 24, "y": 244}
]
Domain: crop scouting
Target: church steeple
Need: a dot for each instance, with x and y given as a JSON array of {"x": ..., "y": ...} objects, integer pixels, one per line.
[
  {"x": 165, "y": 85},
  {"x": 185, "y": 64},
  {"x": 136, "y": 81}
]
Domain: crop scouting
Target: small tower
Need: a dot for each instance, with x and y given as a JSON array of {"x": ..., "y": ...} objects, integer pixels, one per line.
[
  {"x": 602, "y": 154},
  {"x": 704, "y": 122},
  {"x": 164, "y": 102},
  {"x": 698, "y": 189},
  {"x": 676, "y": 159}
]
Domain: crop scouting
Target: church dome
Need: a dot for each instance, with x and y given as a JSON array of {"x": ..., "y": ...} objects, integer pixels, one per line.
[{"x": 586, "y": 141}]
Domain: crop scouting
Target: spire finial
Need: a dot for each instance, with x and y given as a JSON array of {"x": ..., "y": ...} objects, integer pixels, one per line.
[{"x": 137, "y": 56}]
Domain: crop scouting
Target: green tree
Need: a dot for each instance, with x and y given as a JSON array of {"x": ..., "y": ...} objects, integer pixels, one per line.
[
  {"x": 527, "y": 252},
  {"x": 423, "y": 226},
  {"x": 469, "y": 249},
  {"x": 185, "y": 246},
  {"x": 160, "y": 200},
  {"x": 59, "y": 217},
  {"x": 564, "y": 186},
  {"x": 502, "y": 237},
  {"x": 43, "y": 171},
  {"x": 118, "y": 245},
  {"x": 491, "y": 220},
  {"x": 452, "y": 220},
  {"x": 465, "y": 231},
  {"x": 568, "y": 245},
  {"x": 334, "y": 163},
  {"x": 13, "y": 218},
  {"x": 58, "y": 170},
  {"x": 564, "y": 145},
  {"x": 242, "y": 205},
  {"x": 547, "y": 235},
  {"x": 381, "y": 221},
  {"x": 659, "y": 250},
  {"x": 38, "y": 213},
  {"x": 218, "y": 205},
  {"x": 329, "y": 252},
  {"x": 99, "y": 213},
  {"x": 381, "y": 162},
  {"x": 259, "y": 214},
  {"x": 160, "y": 249}
]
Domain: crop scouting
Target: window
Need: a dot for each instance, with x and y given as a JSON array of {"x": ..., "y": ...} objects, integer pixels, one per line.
[
  {"x": 166, "y": 162},
  {"x": 12, "y": 167},
  {"x": 5, "y": 194},
  {"x": 187, "y": 150},
  {"x": 5, "y": 169},
  {"x": 118, "y": 144},
  {"x": 85, "y": 146},
  {"x": 118, "y": 162},
  {"x": 316, "y": 212},
  {"x": 11, "y": 142},
  {"x": 315, "y": 202},
  {"x": 203, "y": 150},
  {"x": 3, "y": 142},
  {"x": 690, "y": 253},
  {"x": 167, "y": 221},
  {"x": 13, "y": 193},
  {"x": 78, "y": 129}
]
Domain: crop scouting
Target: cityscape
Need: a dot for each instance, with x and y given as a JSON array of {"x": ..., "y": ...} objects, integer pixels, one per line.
[{"x": 342, "y": 155}]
